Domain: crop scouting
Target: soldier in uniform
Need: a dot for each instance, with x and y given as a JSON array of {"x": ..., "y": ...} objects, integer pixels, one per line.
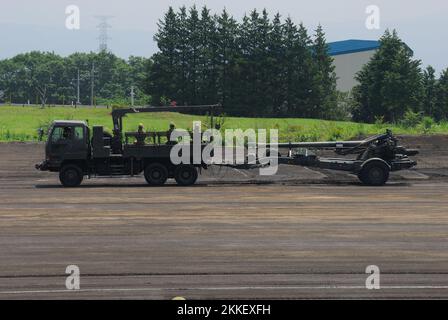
[
  {"x": 115, "y": 142},
  {"x": 169, "y": 132},
  {"x": 67, "y": 133},
  {"x": 140, "y": 137},
  {"x": 40, "y": 133}
]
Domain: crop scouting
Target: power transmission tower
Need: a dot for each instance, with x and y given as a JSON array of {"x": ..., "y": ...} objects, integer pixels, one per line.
[
  {"x": 103, "y": 26},
  {"x": 92, "y": 83}
]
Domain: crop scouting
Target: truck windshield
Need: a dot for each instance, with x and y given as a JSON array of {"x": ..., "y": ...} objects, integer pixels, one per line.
[{"x": 67, "y": 133}]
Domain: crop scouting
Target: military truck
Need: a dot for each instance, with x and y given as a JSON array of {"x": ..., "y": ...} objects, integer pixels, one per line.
[{"x": 75, "y": 151}]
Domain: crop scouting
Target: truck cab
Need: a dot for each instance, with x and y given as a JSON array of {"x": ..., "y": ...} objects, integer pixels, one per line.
[
  {"x": 68, "y": 144},
  {"x": 75, "y": 152}
]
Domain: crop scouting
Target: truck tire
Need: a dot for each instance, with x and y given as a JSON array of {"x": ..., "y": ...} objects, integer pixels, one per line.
[
  {"x": 185, "y": 175},
  {"x": 71, "y": 176},
  {"x": 374, "y": 173},
  {"x": 156, "y": 174}
]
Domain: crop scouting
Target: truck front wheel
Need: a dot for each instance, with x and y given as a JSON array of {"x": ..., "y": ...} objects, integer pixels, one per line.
[
  {"x": 71, "y": 176},
  {"x": 185, "y": 175},
  {"x": 156, "y": 174}
]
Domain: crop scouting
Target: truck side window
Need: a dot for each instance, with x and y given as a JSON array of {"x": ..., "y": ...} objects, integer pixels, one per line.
[{"x": 79, "y": 133}]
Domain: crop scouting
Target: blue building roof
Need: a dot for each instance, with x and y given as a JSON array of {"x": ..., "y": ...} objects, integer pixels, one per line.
[{"x": 352, "y": 46}]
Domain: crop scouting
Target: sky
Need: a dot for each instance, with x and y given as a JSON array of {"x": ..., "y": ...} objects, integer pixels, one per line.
[{"x": 41, "y": 24}]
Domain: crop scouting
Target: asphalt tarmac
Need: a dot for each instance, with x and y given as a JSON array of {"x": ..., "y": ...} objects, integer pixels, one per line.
[{"x": 235, "y": 235}]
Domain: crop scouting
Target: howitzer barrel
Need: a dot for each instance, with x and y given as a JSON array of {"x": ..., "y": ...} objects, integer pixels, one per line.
[
  {"x": 333, "y": 144},
  {"x": 324, "y": 144},
  {"x": 319, "y": 145}
]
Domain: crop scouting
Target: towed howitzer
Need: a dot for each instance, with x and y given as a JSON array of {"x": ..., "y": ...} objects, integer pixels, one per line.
[{"x": 376, "y": 156}]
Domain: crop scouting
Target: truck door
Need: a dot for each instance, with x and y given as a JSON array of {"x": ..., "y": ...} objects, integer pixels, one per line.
[
  {"x": 59, "y": 143},
  {"x": 69, "y": 142},
  {"x": 79, "y": 143}
]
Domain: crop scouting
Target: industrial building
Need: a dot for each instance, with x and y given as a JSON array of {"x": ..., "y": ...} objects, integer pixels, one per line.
[{"x": 349, "y": 58}]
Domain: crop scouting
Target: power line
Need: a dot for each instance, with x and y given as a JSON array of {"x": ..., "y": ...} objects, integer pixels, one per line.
[{"x": 92, "y": 84}]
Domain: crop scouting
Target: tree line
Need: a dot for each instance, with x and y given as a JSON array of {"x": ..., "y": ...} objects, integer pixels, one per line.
[
  {"x": 47, "y": 78},
  {"x": 258, "y": 66}
]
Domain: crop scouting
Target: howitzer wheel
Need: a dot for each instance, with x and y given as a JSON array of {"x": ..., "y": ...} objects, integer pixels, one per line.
[
  {"x": 374, "y": 173},
  {"x": 71, "y": 176},
  {"x": 156, "y": 174},
  {"x": 185, "y": 175}
]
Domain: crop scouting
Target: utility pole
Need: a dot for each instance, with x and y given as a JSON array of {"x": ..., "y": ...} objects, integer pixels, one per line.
[
  {"x": 92, "y": 81},
  {"x": 132, "y": 96},
  {"x": 77, "y": 90}
]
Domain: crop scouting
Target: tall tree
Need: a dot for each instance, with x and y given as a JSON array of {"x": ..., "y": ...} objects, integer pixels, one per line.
[
  {"x": 208, "y": 58},
  {"x": 276, "y": 62},
  {"x": 441, "y": 100},
  {"x": 429, "y": 86},
  {"x": 262, "y": 66},
  {"x": 253, "y": 39},
  {"x": 41, "y": 75},
  {"x": 193, "y": 49},
  {"x": 164, "y": 78},
  {"x": 182, "y": 56},
  {"x": 246, "y": 38},
  {"x": 298, "y": 70},
  {"x": 390, "y": 84},
  {"x": 139, "y": 69},
  {"x": 324, "y": 89},
  {"x": 227, "y": 55}
]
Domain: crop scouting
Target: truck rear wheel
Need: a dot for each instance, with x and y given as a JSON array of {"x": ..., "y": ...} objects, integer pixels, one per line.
[
  {"x": 374, "y": 173},
  {"x": 71, "y": 176},
  {"x": 156, "y": 174},
  {"x": 185, "y": 175}
]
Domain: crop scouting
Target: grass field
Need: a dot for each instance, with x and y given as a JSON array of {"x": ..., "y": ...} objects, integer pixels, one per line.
[{"x": 21, "y": 124}]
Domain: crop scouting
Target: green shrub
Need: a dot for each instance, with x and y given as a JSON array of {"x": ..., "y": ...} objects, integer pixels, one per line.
[
  {"x": 427, "y": 125},
  {"x": 379, "y": 122},
  {"x": 361, "y": 131},
  {"x": 335, "y": 133},
  {"x": 411, "y": 119}
]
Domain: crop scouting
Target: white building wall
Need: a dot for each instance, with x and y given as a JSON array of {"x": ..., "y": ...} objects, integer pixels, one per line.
[{"x": 347, "y": 65}]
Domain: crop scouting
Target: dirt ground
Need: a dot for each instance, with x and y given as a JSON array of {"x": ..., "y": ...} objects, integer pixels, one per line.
[{"x": 300, "y": 234}]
